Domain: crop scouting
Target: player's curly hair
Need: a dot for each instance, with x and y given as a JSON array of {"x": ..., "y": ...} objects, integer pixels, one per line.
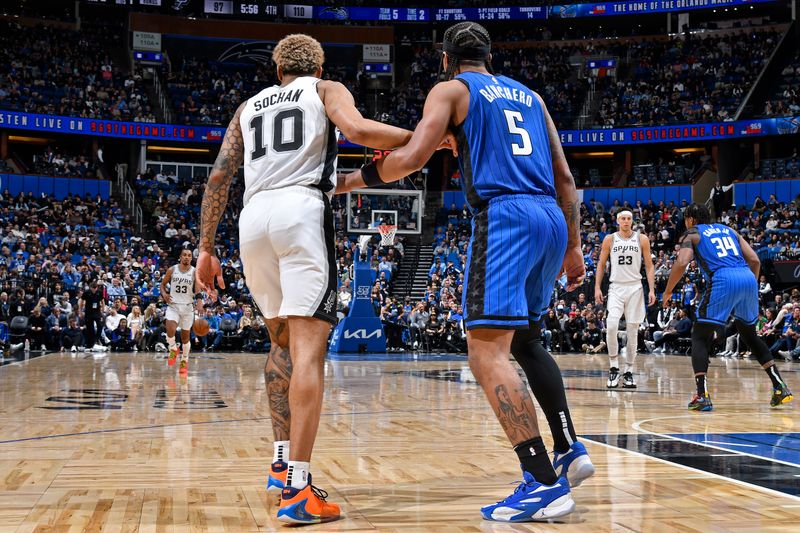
[
  {"x": 699, "y": 212},
  {"x": 298, "y": 54},
  {"x": 473, "y": 42}
]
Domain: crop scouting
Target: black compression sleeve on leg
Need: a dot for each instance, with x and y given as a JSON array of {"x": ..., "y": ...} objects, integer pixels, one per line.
[
  {"x": 747, "y": 332},
  {"x": 544, "y": 378},
  {"x": 702, "y": 335}
]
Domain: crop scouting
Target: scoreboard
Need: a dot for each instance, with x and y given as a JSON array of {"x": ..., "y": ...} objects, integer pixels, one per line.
[{"x": 246, "y": 8}]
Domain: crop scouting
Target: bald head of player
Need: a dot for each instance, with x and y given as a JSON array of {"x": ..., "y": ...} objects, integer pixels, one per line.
[
  {"x": 625, "y": 222},
  {"x": 298, "y": 55}
]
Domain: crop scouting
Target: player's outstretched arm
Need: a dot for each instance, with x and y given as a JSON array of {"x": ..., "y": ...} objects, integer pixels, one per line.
[
  {"x": 749, "y": 255},
  {"x": 215, "y": 200},
  {"x": 605, "y": 251},
  {"x": 429, "y": 136},
  {"x": 341, "y": 109},
  {"x": 685, "y": 256}
]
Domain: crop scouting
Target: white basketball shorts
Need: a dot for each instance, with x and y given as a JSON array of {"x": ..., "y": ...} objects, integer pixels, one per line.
[
  {"x": 627, "y": 299},
  {"x": 183, "y": 314},
  {"x": 286, "y": 238}
]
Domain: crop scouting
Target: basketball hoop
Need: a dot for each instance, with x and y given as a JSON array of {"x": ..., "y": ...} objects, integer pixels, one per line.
[{"x": 387, "y": 234}]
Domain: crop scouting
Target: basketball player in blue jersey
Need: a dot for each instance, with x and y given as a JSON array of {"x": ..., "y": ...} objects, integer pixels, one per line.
[
  {"x": 730, "y": 268},
  {"x": 525, "y": 231}
]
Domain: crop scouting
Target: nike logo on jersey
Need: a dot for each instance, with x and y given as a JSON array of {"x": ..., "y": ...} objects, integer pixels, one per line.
[{"x": 278, "y": 98}]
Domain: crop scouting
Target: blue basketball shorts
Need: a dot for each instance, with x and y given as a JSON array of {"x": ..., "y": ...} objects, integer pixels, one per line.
[
  {"x": 731, "y": 291},
  {"x": 514, "y": 257}
]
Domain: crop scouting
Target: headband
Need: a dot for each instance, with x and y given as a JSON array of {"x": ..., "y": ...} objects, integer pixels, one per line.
[
  {"x": 624, "y": 211},
  {"x": 466, "y": 52}
]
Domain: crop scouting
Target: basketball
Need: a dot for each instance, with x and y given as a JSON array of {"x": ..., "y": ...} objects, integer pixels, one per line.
[{"x": 200, "y": 327}]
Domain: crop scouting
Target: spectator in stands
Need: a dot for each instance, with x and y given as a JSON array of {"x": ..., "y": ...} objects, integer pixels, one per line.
[
  {"x": 37, "y": 328},
  {"x": 112, "y": 320},
  {"x": 790, "y": 334},
  {"x": 432, "y": 336},
  {"x": 573, "y": 331},
  {"x": 122, "y": 337},
  {"x": 56, "y": 324},
  {"x": 678, "y": 328},
  {"x": 136, "y": 322},
  {"x": 93, "y": 308},
  {"x": 552, "y": 333},
  {"x": 592, "y": 339},
  {"x": 115, "y": 290},
  {"x": 72, "y": 336},
  {"x": 418, "y": 324}
]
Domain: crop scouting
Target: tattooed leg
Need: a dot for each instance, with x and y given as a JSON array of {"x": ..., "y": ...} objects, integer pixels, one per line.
[
  {"x": 277, "y": 375},
  {"x": 508, "y": 395}
]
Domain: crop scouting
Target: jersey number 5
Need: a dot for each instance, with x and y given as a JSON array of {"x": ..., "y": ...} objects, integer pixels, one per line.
[
  {"x": 279, "y": 143},
  {"x": 512, "y": 119},
  {"x": 723, "y": 244}
]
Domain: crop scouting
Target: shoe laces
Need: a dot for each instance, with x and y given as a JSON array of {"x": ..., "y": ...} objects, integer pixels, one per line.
[{"x": 319, "y": 493}]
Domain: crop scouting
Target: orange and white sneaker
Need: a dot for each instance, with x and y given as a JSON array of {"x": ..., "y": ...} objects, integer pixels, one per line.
[
  {"x": 183, "y": 370},
  {"x": 277, "y": 477},
  {"x": 306, "y": 506},
  {"x": 173, "y": 355}
]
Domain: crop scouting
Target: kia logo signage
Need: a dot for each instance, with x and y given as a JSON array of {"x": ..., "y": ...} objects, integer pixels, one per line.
[{"x": 362, "y": 334}]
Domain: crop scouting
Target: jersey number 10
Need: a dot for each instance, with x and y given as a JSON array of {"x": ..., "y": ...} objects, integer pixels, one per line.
[
  {"x": 723, "y": 245},
  {"x": 279, "y": 143}
]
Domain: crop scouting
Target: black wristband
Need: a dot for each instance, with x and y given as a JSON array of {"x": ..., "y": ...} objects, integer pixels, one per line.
[{"x": 369, "y": 173}]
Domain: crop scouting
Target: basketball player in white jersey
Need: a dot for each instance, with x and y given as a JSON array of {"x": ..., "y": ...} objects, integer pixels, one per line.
[
  {"x": 286, "y": 137},
  {"x": 626, "y": 249},
  {"x": 180, "y": 310}
]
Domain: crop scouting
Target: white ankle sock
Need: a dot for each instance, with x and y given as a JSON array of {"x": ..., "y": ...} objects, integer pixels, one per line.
[
  {"x": 613, "y": 361},
  {"x": 185, "y": 355},
  {"x": 170, "y": 341},
  {"x": 297, "y": 476},
  {"x": 281, "y": 452}
]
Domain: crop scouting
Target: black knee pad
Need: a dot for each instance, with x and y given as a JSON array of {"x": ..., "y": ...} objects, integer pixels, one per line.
[
  {"x": 754, "y": 342},
  {"x": 522, "y": 342},
  {"x": 702, "y": 337}
]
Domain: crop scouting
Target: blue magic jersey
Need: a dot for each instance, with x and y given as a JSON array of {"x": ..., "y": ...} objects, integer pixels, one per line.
[
  {"x": 503, "y": 143},
  {"x": 718, "y": 248}
]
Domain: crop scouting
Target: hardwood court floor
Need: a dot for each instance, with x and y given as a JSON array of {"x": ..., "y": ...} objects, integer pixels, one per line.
[{"x": 120, "y": 443}]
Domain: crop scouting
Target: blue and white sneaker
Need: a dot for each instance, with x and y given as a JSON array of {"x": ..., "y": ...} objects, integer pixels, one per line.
[
  {"x": 574, "y": 464},
  {"x": 532, "y": 501}
]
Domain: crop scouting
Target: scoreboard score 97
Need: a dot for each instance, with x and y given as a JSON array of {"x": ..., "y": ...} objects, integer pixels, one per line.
[{"x": 248, "y": 8}]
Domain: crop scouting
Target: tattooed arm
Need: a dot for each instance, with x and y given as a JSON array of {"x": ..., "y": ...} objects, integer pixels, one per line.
[
  {"x": 567, "y": 197},
  {"x": 215, "y": 201}
]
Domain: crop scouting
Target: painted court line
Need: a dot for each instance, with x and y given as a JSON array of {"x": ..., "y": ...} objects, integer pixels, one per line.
[
  {"x": 638, "y": 427},
  {"x": 702, "y": 472}
]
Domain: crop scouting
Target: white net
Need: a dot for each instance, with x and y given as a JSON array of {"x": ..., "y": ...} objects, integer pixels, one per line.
[{"x": 387, "y": 234}]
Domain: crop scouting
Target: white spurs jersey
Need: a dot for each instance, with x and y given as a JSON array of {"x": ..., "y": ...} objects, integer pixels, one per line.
[
  {"x": 288, "y": 139},
  {"x": 626, "y": 259},
  {"x": 181, "y": 285}
]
